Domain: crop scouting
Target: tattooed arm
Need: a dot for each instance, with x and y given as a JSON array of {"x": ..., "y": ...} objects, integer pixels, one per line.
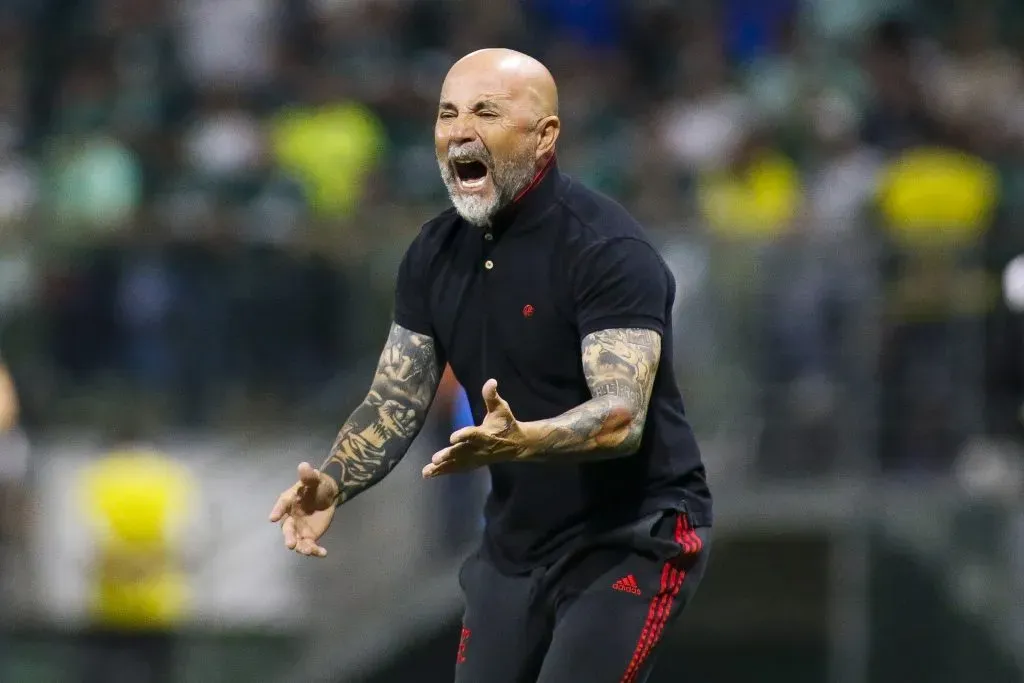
[
  {"x": 378, "y": 433},
  {"x": 620, "y": 365}
]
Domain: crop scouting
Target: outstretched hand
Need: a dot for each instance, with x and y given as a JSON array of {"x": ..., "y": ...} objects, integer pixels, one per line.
[
  {"x": 305, "y": 511},
  {"x": 499, "y": 438}
]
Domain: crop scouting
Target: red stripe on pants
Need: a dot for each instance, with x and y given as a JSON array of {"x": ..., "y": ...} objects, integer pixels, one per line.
[{"x": 661, "y": 605}]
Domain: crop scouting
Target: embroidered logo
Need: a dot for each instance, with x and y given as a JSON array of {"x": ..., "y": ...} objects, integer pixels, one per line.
[{"x": 627, "y": 584}]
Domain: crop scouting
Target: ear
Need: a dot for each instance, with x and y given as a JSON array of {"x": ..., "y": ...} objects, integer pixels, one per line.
[{"x": 548, "y": 129}]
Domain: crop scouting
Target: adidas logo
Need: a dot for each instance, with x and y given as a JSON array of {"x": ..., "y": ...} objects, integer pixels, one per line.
[{"x": 627, "y": 584}]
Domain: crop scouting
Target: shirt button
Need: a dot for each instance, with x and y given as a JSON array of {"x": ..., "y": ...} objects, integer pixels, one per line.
[
  {"x": 488, "y": 264},
  {"x": 488, "y": 236}
]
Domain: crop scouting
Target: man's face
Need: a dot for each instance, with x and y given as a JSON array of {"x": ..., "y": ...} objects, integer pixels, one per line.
[{"x": 486, "y": 144}]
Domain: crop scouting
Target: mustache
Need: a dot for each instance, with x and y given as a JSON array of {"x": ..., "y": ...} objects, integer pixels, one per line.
[{"x": 471, "y": 152}]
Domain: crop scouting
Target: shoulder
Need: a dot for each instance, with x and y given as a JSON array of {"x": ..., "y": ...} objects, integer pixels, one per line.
[
  {"x": 594, "y": 218},
  {"x": 432, "y": 237},
  {"x": 596, "y": 223},
  {"x": 437, "y": 229}
]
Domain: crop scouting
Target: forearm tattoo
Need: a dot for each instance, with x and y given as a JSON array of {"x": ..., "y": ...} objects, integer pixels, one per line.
[
  {"x": 620, "y": 366},
  {"x": 378, "y": 433}
]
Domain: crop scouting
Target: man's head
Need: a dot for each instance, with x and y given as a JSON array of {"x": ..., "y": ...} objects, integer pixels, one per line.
[{"x": 497, "y": 123}]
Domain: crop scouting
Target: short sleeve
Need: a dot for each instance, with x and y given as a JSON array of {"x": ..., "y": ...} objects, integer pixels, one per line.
[
  {"x": 412, "y": 309},
  {"x": 621, "y": 283}
]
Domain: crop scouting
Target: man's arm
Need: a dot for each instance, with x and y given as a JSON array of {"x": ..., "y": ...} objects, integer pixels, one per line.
[
  {"x": 379, "y": 432},
  {"x": 620, "y": 365}
]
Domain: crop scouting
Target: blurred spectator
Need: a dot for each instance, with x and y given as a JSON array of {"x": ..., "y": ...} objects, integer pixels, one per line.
[
  {"x": 776, "y": 73},
  {"x": 136, "y": 502},
  {"x": 332, "y": 144},
  {"x": 225, "y": 141},
  {"x": 8, "y": 400},
  {"x": 704, "y": 128},
  {"x": 209, "y": 224},
  {"x": 227, "y": 42},
  {"x": 897, "y": 116},
  {"x": 144, "y": 303},
  {"x": 755, "y": 195},
  {"x": 815, "y": 300},
  {"x": 843, "y": 172},
  {"x": 977, "y": 83},
  {"x": 96, "y": 184},
  {"x": 14, "y": 511},
  {"x": 936, "y": 204}
]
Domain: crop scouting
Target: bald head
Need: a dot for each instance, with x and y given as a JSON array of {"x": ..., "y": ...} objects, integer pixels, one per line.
[
  {"x": 522, "y": 75},
  {"x": 497, "y": 125}
]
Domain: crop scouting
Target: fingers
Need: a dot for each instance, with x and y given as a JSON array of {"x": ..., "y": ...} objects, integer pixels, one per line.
[
  {"x": 452, "y": 459},
  {"x": 291, "y": 539},
  {"x": 309, "y": 479},
  {"x": 283, "y": 505},
  {"x": 449, "y": 467},
  {"x": 466, "y": 434},
  {"x": 308, "y": 475},
  {"x": 431, "y": 470},
  {"x": 309, "y": 548},
  {"x": 459, "y": 450},
  {"x": 300, "y": 540},
  {"x": 490, "y": 393}
]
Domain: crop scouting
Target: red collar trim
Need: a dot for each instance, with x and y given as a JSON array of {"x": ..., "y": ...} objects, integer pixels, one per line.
[{"x": 536, "y": 179}]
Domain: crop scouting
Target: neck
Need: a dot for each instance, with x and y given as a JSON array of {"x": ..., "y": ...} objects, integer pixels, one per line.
[{"x": 543, "y": 165}]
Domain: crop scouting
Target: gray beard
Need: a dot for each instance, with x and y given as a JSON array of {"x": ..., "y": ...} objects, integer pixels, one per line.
[{"x": 508, "y": 179}]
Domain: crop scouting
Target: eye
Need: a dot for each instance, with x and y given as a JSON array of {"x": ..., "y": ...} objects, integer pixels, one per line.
[
  {"x": 487, "y": 115},
  {"x": 446, "y": 115}
]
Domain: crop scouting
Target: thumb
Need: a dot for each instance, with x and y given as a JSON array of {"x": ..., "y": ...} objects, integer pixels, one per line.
[
  {"x": 308, "y": 475},
  {"x": 492, "y": 401}
]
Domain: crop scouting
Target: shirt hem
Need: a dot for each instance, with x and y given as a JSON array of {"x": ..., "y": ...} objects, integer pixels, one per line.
[{"x": 613, "y": 322}]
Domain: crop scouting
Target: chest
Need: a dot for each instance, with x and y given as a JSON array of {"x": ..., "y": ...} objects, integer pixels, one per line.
[{"x": 505, "y": 309}]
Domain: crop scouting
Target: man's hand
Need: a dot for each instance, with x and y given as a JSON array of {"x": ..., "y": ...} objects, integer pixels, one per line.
[
  {"x": 499, "y": 438},
  {"x": 305, "y": 511}
]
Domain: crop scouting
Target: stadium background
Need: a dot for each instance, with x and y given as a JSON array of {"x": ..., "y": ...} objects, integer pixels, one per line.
[{"x": 202, "y": 206}]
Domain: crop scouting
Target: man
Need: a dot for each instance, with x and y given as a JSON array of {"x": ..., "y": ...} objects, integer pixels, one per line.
[{"x": 598, "y": 518}]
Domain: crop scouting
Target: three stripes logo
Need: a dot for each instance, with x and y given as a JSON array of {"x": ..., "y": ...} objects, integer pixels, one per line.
[
  {"x": 463, "y": 642},
  {"x": 627, "y": 584}
]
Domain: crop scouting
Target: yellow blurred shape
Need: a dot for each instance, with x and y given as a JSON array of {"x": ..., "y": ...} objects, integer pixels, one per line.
[
  {"x": 136, "y": 502},
  {"x": 937, "y": 196},
  {"x": 331, "y": 150},
  {"x": 760, "y": 201}
]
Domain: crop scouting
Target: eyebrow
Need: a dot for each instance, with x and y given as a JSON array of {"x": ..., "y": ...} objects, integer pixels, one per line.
[{"x": 482, "y": 104}]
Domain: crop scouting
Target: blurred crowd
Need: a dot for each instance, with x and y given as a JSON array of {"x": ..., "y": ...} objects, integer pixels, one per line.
[{"x": 202, "y": 202}]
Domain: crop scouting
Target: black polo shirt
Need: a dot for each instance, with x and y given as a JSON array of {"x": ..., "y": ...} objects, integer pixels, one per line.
[{"x": 513, "y": 303}]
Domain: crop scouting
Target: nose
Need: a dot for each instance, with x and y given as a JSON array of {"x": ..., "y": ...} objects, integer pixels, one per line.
[{"x": 461, "y": 131}]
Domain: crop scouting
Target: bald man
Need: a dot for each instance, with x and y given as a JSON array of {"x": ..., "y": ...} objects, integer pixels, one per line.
[{"x": 597, "y": 524}]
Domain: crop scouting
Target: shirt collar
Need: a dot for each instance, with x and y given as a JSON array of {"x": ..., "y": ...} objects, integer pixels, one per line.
[{"x": 532, "y": 202}]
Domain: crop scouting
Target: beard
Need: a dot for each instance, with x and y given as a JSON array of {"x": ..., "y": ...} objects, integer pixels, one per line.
[{"x": 508, "y": 177}]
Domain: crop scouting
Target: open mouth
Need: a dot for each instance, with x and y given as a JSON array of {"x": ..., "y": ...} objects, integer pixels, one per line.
[{"x": 471, "y": 174}]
